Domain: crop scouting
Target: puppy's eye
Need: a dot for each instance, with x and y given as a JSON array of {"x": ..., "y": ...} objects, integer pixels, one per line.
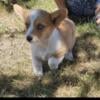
[{"x": 40, "y": 27}]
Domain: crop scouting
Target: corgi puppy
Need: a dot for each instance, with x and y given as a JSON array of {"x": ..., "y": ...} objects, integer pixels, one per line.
[{"x": 51, "y": 35}]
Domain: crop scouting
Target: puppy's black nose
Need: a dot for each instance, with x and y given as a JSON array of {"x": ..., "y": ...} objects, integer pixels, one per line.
[{"x": 29, "y": 38}]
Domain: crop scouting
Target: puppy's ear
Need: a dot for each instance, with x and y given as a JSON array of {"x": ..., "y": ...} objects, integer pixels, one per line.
[
  {"x": 21, "y": 12},
  {"x": 59, "y": 15}
]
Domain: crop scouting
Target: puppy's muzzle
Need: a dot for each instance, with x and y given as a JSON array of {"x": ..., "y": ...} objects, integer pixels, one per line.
[{"x": 29, "y": 38}]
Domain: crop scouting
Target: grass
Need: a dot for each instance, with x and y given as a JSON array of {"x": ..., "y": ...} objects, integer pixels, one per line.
[{"x": 80, "y": 78}]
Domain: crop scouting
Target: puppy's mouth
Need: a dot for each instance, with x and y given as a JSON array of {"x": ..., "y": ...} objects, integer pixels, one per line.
[{"x": 35, "y": 39}]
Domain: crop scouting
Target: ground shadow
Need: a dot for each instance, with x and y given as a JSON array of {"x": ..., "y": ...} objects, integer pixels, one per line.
[
  {"x": 37, "y": 88},
  {"x": 84, "y": 44}
]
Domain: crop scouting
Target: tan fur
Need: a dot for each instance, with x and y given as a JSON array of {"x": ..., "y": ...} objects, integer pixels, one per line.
[
  {"x": 67, "y": 30},
  {"x": 46, "y": 21},
  {"x": 22, "y": 13}
]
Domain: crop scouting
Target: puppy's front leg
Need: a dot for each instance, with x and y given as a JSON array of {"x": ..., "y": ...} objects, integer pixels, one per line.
[
  {"x": 37, "y": 67},
  {"x": 54, "y": 62}
]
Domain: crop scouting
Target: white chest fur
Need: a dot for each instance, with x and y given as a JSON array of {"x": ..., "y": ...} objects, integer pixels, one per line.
[{"x": 54, "y": 43}]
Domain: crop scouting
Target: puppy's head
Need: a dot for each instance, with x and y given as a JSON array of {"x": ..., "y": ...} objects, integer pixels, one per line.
[{"x": 39, "y": 23}]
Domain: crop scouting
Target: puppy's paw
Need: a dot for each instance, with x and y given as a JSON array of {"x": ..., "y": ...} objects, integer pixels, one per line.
[
  {"x": 38, "y": 75},
  {"x": 53, "y": 63}
]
